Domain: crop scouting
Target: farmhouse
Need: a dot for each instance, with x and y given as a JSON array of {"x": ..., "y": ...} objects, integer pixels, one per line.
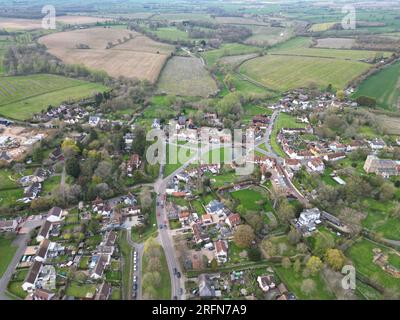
[
  {"x": 384, "y": 168},
  {"x": 377, "y": 144},
  {"x": 315, "y": 165}
]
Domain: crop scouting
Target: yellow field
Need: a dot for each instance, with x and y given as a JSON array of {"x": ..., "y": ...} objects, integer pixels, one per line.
[
  {"x": 139, "y": 57},
  {"x": 319, "y": 27}
]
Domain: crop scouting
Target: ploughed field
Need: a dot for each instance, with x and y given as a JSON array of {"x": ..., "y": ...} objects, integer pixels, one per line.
[{"x": 130, "y": 54}]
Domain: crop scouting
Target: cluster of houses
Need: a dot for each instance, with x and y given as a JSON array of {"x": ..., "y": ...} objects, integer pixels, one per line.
[
  {"x": 32, "y": 184},
  {"x": 383, "y": 167},
  {"x": 310, "y": 219},
  {"x": 70, "y": 114},
  {"x": 42, "y": 279}
]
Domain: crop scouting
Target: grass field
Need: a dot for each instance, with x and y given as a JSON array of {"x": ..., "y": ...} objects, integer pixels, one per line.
[
  {"x": 284, "y": 73},
  {"x": 80, "y": 291},
  {"x": 171, "y": 34},
  {"x": 267, "y": 36},
  {"x": 138, "y": 57},
  {"x": 250, "y": 200},
  {"x": 336, "y": 43},
  {"x": 229, "y": 49},
  {"x": 384, "y": 86},
  {"x": 186, "y": 77},
  {"x": 7, "y": 251},
  {"x": 361, "y": 253},
  {"x": 23, "y": 96}
]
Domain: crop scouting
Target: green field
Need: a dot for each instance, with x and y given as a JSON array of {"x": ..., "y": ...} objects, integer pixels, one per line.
[
  {"x": 250, "y": 200},
  {"x": 77, "y": 290},
  {"x": 7, "y": 251},
  {"x": 22, "y": 96},
  {"x": 284, "y": 73},
  {"x": 361, "y": 253},
  {"x": 383, "y": 86},
  {"x": 229, "y": 49},
  {"x": 171, "y": 34}
]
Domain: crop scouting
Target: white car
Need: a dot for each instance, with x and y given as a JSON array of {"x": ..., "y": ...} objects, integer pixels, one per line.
[{"x": 134, "y": 267}]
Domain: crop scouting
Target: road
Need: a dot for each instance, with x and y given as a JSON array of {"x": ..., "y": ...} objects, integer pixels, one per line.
[
  {"x": 20, "y": 242},
  {"x": 139, "y": 248}
]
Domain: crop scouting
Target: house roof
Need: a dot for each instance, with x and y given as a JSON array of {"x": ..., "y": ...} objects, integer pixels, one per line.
[
  {"x": 33, "y": 272},
  {"x": 55, "y": 211},
  {"x": 100, "y": 266},
  {"x": 42, "y": 294},
  {"x": 104, "y": 291},
  {"x": 44, "y": 247},
  {"x": 234, "y": 219},
  {"x": 111, "y": 237},
  {"x": 45, "y": 229},
  {"x": 220, "y": 246}
]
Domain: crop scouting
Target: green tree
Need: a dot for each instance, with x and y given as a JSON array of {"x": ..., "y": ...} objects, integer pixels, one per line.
[
  {"x": 335, "y": 259},
  {"x": 243, "y": 236},
  {"x": 314, "y": 265},
  {"x": 72, "y": 167}
]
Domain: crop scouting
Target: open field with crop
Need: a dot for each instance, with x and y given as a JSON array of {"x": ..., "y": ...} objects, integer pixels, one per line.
[
  {"x": 235, "y": 61},
  {"x": 289, "y": 72},
  {"x": 391, "y": 124},
  {"x": 171, "y": 34},
  {"x": 384, "y": 86},
  {"x": 138, "y": 57},
  {"x": 22, "y": 96},
  {"x": 186, "y": 77},
  {"x": 229, "y": 49}
]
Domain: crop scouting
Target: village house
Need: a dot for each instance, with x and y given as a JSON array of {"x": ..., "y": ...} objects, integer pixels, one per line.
[
  {"x": 43, "y": 250},
  {"x": 44, "y": 231},
  {"x": 206, "y": 288},
  {"x": 98, "y": 271},
  {"x": 56, "y": 155},
  {"x": 133, "y": 164},
  {"x": 337, "y": 147},
  {"x": 315, "y": 165},
  {"x": 233, "y": 220},
  {"x": 382, "y": 167},
  {"x": 55, "y": 215},
  {"x": 33, "y": 191},
  {"x": 335, "y": 156},
  {"x": 30, "y": 281},
  {"x": 207, "y": 219},
  {"x": 293, "y": 164},
  {"x": 217, "y": 208},
  {"x": 377, "y": 144},
  {"x": 221, "y": 251},
  {"x": 308, "y": 220},
  {"x": 266, "y": 282},
  {"x": 94, "y": 121},
  {"x": 41, "y": 294},
  {"x": 199, "y": 235},
  {"x": 184, "y": 217}
]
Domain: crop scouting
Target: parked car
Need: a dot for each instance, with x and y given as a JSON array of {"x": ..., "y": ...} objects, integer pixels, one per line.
[{"x": 178, "y": 274}]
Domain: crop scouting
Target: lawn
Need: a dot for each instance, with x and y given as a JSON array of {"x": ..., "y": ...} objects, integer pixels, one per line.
[
  {"x": 163, "y": 292},
  {"x": 147, "y": 232},
  {"x": 282, "y": 73},
  {"x": 78, "y": 290},
  {"x": 176, "y": 157},
  {"x": 51, "y": 184},
  {"x": 250, "y": 198},
  {"x": 7, "y": 252},
  {"x": 22, "y": 96},
  {"x": 361, "y": 253},
  {"x": 384, "y": 86},
  {"x": 7, "y": 179},
  {"x": 9, "y": 197}
]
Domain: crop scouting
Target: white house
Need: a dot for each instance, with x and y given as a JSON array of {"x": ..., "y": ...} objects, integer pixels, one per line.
[
  {"x": 266, "y": 282},
  {"x": 55, "y": 215},
  {"x": 309, "y": 219}
]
